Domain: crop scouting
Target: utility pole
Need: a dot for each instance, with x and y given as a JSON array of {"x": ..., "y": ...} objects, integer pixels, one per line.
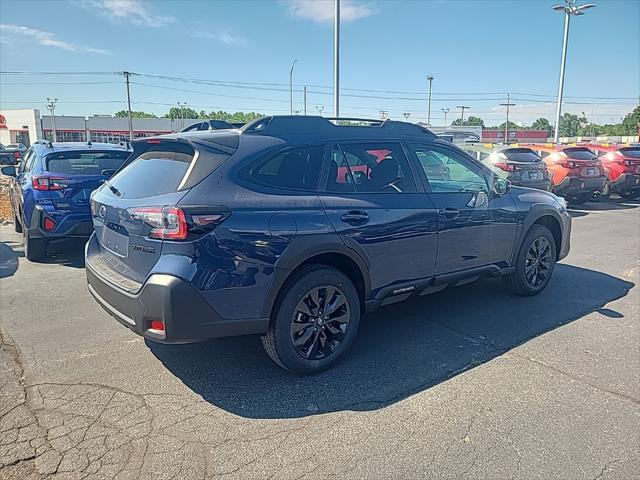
[
  {"x": 445, "y": 111},
  {"x": 462, "y": 109},
  {"x": 291, "y": 87},
  {"x": 305, "y": 100},
  {"x": 126, "y": 77},
  {"x": 430, "y": 78},
  {"x": 569, "y": 10},
  {"x": 51, "y": 105},
  {"x": 506, "y": 125},
  {"x": 336, "y": 60},
  {"x": 384, "y": 114}
]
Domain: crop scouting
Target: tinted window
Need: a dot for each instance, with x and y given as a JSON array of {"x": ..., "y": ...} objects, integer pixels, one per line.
[
  {"x": 155, "y": 172},
  {"x": 521, "y": 155},
  {"x": 294, "y": 168},
  {"x": 633, "y": 152},
  {"x": 27, "y": 162},
  {"x": 446, "y": 173},
  {"x": 579, "y": 153},
  {"x": 92, "y": 162},
  {"x": 370, "y": 168}
]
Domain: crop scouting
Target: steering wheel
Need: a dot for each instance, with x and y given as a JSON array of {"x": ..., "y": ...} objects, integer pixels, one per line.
[{"x": 393, "y": 186}]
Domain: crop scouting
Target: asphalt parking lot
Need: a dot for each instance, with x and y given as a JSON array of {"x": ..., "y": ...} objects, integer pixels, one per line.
[{"x": 469, "y": 383}]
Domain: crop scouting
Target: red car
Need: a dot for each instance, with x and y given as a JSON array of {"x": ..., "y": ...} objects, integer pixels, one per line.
[
  {"x": 622, "y": 166},
  {"x": 577, "y": 173}
]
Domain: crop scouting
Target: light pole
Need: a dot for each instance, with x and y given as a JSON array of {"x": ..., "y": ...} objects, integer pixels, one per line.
[
  {"x": 406, "y": 116},
  {"x": 506, "y": 125},
  {"x": 320, "y": 109},
  {"x": 336, "y": 60},
  {"x": 291, "y": 86},
  {"x": 126, "y": 77},
  {"x": 462, "y": 109},
  {"x": 569, "y": 9},
  {"x": 430, "y": 78},
  {"x": 180, "y": 124},
  {"x": 445, "y": 111},
  {"x": 384, "y": 114},
  {"x": 51, "y": 106}
]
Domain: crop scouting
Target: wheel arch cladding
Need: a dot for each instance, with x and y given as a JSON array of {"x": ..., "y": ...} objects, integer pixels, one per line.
[
  {"x": 348, "y": 263},
  {"x": 553, "y": 225}
]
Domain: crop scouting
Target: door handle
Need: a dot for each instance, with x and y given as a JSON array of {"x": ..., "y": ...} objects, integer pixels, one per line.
[
  {"x": 355, "y": 217},
  {"x": 449, "y": 212}
]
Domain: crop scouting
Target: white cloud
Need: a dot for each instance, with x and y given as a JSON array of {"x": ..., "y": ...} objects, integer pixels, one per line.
[
  {"x": 133, "y": 11},
  {"x": 224, "y": 35},
  {"x": 323, "y": 10},
  {"x": 46, "y": 39}
]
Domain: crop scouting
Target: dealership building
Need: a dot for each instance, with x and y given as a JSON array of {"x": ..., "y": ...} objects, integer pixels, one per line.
[{"x": 27, "y": 126}]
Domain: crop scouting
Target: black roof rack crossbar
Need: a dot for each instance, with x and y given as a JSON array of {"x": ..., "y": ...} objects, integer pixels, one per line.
[{"x": 297, "y": 125}]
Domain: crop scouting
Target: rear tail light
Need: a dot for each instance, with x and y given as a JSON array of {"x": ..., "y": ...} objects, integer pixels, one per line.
[
  {"x": 507, "y": 167},
  {"x": 49, "y": 183},
  {"x": 173, "y": 223},
  {"x": 49, "y": 224},
  {"x": 168, "y": 223}
]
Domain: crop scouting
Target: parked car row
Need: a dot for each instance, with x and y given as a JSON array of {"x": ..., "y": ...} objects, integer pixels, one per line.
[
  {"x": 12, "y": 153},
  {"x": 289, "y": 227},
  {"x": 577, "y": 172}
]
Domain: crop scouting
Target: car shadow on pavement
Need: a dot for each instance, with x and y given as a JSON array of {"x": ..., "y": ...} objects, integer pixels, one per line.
[
  {"x": 68, "y": 253},
  {"x": 602, "y": 206},
  {"x": 399, "y": 350}
]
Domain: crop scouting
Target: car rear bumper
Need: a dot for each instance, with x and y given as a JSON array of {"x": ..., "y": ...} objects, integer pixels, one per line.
[
  {"x": 575, "y": 186},
  {"x": 68, "y": 225},
  {"x": 187, "y": 316},
  {"x": 625, "y": 182}
]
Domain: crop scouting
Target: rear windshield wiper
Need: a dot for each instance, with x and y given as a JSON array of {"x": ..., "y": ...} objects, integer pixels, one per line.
[{"x": 113, "y": 189}]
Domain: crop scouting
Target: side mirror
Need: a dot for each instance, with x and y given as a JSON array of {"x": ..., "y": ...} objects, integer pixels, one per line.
[
  {"x": 501, "y": 186},
  {"x": 9, "y": 171}
]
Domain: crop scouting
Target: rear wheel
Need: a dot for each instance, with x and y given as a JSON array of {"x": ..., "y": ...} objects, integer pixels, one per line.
[
  {"x": 630, "y": 194},
  {"x": 34, "y": 248},
  {"x": 534, "y": 264},
  {"x": 314, "y": 322},
  {"x": 605, "y": 193},
  {"x": 17, "y": 226}
]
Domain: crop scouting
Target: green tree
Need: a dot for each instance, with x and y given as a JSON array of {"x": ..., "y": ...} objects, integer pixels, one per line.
[
  {"x": 631, "y": 122},
  {"x": 542, "y": 124},
  {"x": 125, "y": 114},
  {"x": 571, "y": 125},
  {"x": 469, "y": 122}
]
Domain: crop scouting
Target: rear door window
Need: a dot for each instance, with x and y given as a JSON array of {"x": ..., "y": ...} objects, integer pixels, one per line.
[
  {"x": 91, "y": 162},
  {"x": 370, "y": 168},
  {"x": 292, "y": 168}
]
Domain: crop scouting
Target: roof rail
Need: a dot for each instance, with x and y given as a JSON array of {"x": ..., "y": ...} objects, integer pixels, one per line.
[{"x": 295, "y": 125}]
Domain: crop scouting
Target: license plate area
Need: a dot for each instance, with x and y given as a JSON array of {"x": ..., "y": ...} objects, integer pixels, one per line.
[
  {"x": 532, "y": 175},
  {"x": 115, "y": 242}
]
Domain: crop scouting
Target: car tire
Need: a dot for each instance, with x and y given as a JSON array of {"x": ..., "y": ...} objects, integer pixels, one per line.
[
  {"x": 297, "y": 323},
  {"x": 34, "y": 248},
  {"x": 580, "y": 199},
  {"x": 605, "y": 193},
  {"x": 17, "y": 226},
  {"x": 533, "y": 271},
  {"x": 629, "y": 194}
]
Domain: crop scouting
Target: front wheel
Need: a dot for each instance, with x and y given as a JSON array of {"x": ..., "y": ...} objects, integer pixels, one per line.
[
  {"x": 534, "y": 264},
  {"x": 34, "y": 248},
  {"x": 314, "y": 322},
  {"x": 629, "y": 194}
]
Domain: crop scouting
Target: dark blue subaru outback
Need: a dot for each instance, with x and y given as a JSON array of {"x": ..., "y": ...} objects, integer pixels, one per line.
[{"x": 291, "y": 227}]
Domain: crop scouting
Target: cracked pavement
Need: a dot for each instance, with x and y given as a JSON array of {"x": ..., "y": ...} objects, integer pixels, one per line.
[{"x": 468, "y": 383}]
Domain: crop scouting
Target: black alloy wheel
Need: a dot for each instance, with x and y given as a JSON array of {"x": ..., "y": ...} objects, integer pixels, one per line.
[
  {"x": 320, "y": 322},
  {"x": 538, "y": 262}
]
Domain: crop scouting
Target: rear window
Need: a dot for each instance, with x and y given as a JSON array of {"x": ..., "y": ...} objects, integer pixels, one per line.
[
  {"x": 166, "y": 168},
  {"x": 579, "y": 153},
  {"x": 633, "y": 152},
  {"x": 521, "y": 155},
  {"x": 91, "y": 162}
]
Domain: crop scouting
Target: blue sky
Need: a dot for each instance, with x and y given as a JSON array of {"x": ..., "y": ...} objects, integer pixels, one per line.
[{"x": 478, "y": 51}]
